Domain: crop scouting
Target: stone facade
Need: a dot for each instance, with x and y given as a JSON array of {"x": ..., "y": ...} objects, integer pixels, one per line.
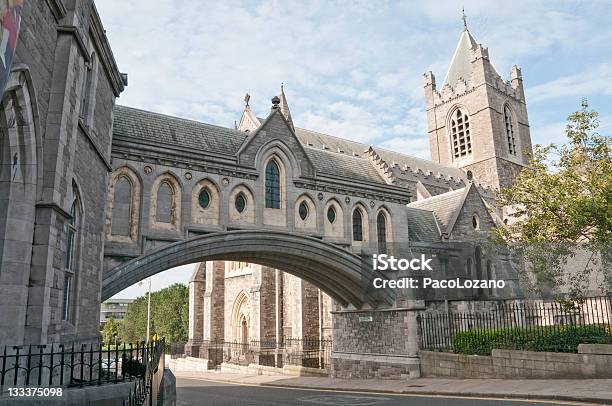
[
  {"x": 497, "y": 123},
  {"x": 277, "y": 215},
  {"x": 55, "y": 147}
]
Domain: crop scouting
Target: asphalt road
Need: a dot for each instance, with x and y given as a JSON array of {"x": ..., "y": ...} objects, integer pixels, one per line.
[{"x": 210, "y": 393}]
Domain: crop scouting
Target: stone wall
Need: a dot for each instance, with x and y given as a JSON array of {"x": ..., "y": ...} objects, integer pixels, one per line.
[
  {"x": 592, "y": 361},
  {"x": 375, "y": 344},
  {"x": 66, "y": 151}
]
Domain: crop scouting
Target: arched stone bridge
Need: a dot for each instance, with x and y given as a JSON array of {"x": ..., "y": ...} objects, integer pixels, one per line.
[{"x": 340, "y": 273}]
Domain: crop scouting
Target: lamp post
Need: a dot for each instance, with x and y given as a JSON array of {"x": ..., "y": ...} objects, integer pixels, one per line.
[
  {"x": 148, "y": 310},
  {"x": 149, "y": 313}
]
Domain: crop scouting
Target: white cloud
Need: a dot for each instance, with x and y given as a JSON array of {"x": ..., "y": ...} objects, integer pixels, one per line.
[{"x": 594, "y": 81}]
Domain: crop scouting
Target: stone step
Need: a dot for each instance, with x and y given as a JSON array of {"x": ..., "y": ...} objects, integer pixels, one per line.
[{"x": 188, "y": 364}]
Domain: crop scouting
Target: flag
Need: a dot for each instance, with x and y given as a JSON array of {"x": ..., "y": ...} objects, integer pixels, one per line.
[{"x": 10, "y": 13}]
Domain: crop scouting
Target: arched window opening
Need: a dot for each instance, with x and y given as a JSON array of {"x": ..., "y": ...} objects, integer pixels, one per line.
[
  {"x": 272, "y": 185},
  {"x": 476, "y": 222},
  {"x": 460, "y": 132},
  {"x": 357, "y": 225},
  {"x": 165, "y": 197},
  {"x": 72, "y": 239},
  {"x": 509, "y": 130},
  {"x": 122, "y": 207},
  {"x": 86, "y": 91},
  {"x": 381, "y": 231},
  {"x": 204, "y": 198},
  {"x": 240, "y": 203},
  {"x": 331, "y": 214},
  {"x": 303, "y": 210}
]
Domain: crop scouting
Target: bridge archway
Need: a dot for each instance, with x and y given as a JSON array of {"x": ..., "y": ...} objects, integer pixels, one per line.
[{"x": 336, "y": 271}]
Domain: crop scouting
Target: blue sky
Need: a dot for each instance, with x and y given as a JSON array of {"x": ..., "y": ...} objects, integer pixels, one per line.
[{"x": 353, "y": 69}]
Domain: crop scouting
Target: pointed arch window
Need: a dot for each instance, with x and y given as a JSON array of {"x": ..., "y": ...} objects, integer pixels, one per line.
[
  {"x": 122, "y": 207},
  {"x": 509, "y": 130},
  {"x": 165, "y": 198},
  {"x": 331, "y": 214},
  {"x": 460, "y": 134},
  {"x": 72, "y": 239},
  {"x": 240, "y": 203},
  {"x": 272, "y": 185},
  {"x": 357, "y": 225},
  {"x": 303, "y": 210},
  {"x": 381, "y": 231}
]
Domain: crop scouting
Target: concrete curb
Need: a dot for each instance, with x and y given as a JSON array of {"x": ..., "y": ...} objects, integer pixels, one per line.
[
  {"x": 514, "y": 396},
  {"x": 581, "y": 400}
]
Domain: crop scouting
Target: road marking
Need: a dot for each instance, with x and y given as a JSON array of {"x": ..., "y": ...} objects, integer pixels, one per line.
[
  {"x": 341, "y": 400},
  {"x": 416, "y": 395}
]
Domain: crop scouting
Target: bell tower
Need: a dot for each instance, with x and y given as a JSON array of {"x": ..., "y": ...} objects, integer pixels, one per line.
[{"x": 477, "y": 121}]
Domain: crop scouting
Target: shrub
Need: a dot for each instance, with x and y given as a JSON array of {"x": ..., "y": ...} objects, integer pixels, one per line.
[{"x": 531, "y": 338}]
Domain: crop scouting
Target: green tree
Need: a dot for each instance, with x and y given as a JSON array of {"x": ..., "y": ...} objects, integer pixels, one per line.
[
  {"x": 169, "y": 315},
  {"x": 111, "y": 330},
  {"x": 562, "y": 205}
]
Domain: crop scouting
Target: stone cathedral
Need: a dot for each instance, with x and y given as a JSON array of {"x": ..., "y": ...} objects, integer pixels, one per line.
[
  {"x": 94, "y": 197},
  {"x": 479, "y": 139}
]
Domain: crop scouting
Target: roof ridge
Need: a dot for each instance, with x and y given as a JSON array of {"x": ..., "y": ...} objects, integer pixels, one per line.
[
  {"x": 379, "y": 148},
  {"x": 438, "y": 197},
  {"x": 191, "y": 120}
]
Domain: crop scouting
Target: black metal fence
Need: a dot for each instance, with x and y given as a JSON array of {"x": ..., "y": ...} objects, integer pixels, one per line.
[
  {"x": 557, "y": 326},
  {"x": 307, "y": 352},
  {"x": 177, "y": 349},
  {"x": 148, "y": 388},
  {"x": 78, "y": 365}
]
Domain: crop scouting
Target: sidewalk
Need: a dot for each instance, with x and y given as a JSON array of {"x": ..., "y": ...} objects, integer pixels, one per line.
[{"x": 597, "y": 391}]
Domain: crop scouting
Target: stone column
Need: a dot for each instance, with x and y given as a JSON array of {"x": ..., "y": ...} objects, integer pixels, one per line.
[
  {"x": 197, "y": 286},
  {"x": 213, "y": 312}
]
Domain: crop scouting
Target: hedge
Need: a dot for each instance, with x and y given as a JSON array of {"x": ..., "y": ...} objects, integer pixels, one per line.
[{"x": 531, "y": 338}]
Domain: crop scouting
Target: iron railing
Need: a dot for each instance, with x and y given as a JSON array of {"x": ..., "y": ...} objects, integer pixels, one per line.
[
  {"x": 79, "y": 365},
  {"x": 148, "y": 388},
  {"x": 177, "y": 349},
  {"x": 307, "y": 352},
  {"x": 557, "y": 326}
]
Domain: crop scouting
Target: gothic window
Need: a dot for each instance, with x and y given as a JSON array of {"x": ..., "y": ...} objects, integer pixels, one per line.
[
  {"x": 272, "y": 185},
  {"x": 475, "y": 222},
  {"x": 122, "y": 207},
  {"x": 331, "y": 214},
  {"x": 460, "y": 133},
  {"x": 509, "y": 130},
  {"x": 71, "y": 253},
  {"x": 87, "y": 88},
  {"x": 303, "y": 210},
  {"x": 240, "y": 203},
  {"x": 204, "y": 198},
  {"x": 381, "y": 232},
  {"x": 165, "y": 197},
  {"x": 357, "y": 225}
]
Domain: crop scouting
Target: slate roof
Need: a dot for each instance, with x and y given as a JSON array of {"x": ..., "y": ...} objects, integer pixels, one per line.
[
  {"x": 345, "y": 166},
  {"x": 333, "y": 144},
  {"x": 444, "y": 206},
  {"x": 331, "y": 155},
  {"x": 417, "y": 163},
  {"x": 422, "y": 225},
  {"x": 164, "y": 129},
  {"x": 461, "y": 64}
]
